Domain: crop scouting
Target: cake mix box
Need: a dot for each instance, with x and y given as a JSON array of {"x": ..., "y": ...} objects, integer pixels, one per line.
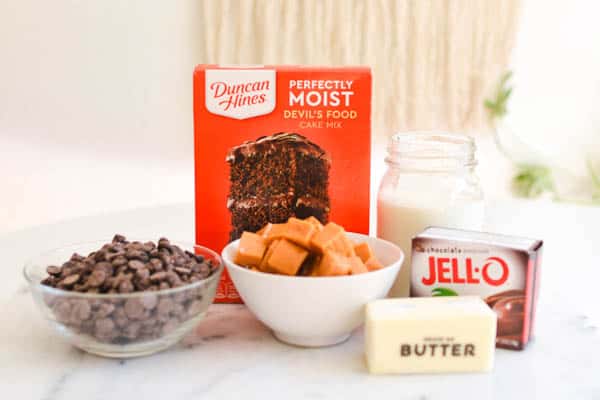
[{"x": 273, "y": 142}]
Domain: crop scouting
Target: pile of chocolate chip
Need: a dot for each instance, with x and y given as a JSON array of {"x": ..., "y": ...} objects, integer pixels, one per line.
[{"x": 122, "y": 267}]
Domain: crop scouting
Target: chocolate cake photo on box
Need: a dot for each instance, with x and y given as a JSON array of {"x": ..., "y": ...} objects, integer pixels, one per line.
[{"x": 274, "y": 178}]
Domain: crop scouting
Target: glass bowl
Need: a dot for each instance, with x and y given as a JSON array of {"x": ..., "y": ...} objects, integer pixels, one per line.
[{"x": 121, "y": 325}]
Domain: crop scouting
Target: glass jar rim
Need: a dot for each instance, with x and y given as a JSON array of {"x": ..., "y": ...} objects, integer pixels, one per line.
[{"x": 432, "y": 145}]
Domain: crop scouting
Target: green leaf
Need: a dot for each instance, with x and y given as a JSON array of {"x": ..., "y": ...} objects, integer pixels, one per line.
[
  {"x": 505, "y": 78},
  {"x": 506, "y": 94},
  {"x": 593, "y": 174},
  {"x": 498, "y": 105},
  {"x": 440, "y": 291},
  {"x": 533, "y": 180}
]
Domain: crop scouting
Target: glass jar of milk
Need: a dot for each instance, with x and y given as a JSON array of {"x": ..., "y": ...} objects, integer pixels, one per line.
[{"x": 430, "y": 181}]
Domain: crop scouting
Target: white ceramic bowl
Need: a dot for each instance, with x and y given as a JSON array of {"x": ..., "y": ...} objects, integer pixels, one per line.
[{"x": 315, "y": 311}]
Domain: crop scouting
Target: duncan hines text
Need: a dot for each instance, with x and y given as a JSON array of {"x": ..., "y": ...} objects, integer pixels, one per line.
[{"x": 240, "y": 93}]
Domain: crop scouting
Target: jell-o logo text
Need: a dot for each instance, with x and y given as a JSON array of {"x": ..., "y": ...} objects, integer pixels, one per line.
[{"x": 494, "y": 271}]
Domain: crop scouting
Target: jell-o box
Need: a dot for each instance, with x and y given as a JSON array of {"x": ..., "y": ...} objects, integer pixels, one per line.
[
  {"x": 503, "y": 270},
  {"x": 429, "y": 335}
]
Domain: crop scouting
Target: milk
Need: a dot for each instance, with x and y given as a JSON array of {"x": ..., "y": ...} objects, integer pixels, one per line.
[{"x": 399, "y": 221}]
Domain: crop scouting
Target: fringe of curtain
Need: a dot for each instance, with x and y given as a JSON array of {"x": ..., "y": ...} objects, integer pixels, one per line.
[{"x": 434, "y": 61}]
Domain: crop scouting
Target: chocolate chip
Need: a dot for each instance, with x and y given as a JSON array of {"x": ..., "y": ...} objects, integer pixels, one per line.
[
  {"x": 133, "y": 254},
  {"x": 53, "y": 270},
  {"x": 119, "y": 260},
  {"x": 105, "y": 266},
  {"x": 136, "y": 245},
  {"x": 158, "y": 276},
  {"x": 165, "y": 258},
  {"x": 148, "y": 247},
  {"x": 132, "y": 330},
  {"x": 111, "y": 255},
  {"x": 174, "y": 279},
  {"x": 155, "y": 264},
  {"x": 126, "y": 286},
  {"x": 105, "y": 328},
  {"x": 119, "y": 239},
  {"x": 100, "y": 255},
  {"x": 136, "y": 264},
  {"x": 62, "y": 310},
  {"x": 149, "y": 302},
  {"x": 142, "y": 274},
  {"x": 81, "y": 309},
  {"x": 77, "y": 257},
  {"x": 179, "y": 261},
  {"x": 81, "y": 287},
  {"x": 134, "y": 309},
  {"x": 164, "y": 306},
  {"x": 182, "y": 270},
  {"x": 97, "y": 278},
  {"x": 104, "y": 310},
  {"x": 70, "y": 280},
  {"x": 49, "y": 281}
]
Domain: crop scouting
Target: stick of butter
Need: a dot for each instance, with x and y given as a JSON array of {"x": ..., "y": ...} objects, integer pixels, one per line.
[{"x": 430, "y": 335}]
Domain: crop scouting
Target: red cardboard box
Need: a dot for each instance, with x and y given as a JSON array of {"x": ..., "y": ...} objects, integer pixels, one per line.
[{"x": 278, "y": 141}]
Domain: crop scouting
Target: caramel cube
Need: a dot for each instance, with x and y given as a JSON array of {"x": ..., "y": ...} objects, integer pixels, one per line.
[
  {"x": 299, "y": 232},
  {"x": 327, "y": 238},
  {"x": 373, "y": 264},
  {"x": 286, "y": 258},
  {"x": 348, "y": 246},
  {"x": 250, "y": 250},
  {"x": 363, "y": 250},
  {"x": 264, "y": 230},
  {"x": 314, "y": 222},
  {"x": 263, "y": 263},
  {"x": 275, "y": 231},
  {"x": 332, "y": 264},
  {"x": 336, "y": 245},
  {"x": 341, "y": 244},
  {"x": 357, "y": 266}
]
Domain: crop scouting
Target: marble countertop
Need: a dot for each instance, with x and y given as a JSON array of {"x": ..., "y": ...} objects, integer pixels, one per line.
[{"x": 232, "y": 355}]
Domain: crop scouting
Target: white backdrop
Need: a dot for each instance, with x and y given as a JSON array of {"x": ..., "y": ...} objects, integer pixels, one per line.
[{"x": 96, "y": 101}]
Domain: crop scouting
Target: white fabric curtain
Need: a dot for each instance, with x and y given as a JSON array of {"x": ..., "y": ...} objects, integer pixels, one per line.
[{"x": 434, "y": 61}]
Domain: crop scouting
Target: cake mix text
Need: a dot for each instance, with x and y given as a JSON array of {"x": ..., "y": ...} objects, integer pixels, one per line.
[{"x": 321, "y": 93}]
